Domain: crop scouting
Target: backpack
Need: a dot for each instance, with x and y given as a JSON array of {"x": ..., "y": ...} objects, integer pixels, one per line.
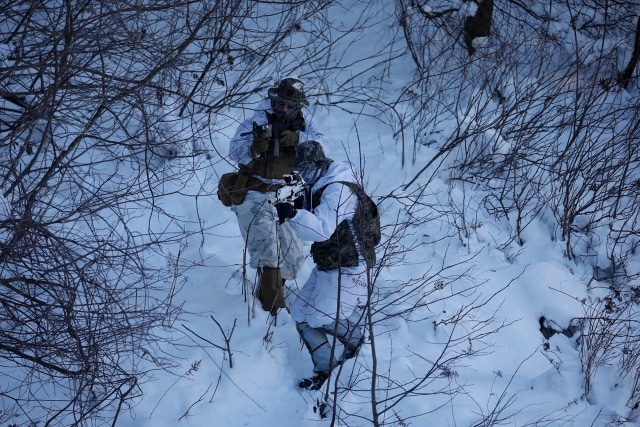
[{"x": 341, "y": 250}]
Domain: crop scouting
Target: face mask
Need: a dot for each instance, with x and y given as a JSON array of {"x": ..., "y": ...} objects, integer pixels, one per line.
[{"x": 311, "y": 173}]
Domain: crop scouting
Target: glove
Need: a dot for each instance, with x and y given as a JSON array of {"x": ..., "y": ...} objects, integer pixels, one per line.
[
  {"x": 259, "y": 146},
  {"x": 288, "y": 138},
  {"x": 285, "y": 211}
]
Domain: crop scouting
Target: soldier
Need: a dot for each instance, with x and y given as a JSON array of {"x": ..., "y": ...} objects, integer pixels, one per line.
[
  {"x": 265, "y": 148},
  {"x": 329, "y": 303}
]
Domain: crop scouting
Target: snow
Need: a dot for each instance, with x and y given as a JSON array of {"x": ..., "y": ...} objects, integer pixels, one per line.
[
  {"x": 513, "y": 373},
  {"x": 457, "y": 317}
]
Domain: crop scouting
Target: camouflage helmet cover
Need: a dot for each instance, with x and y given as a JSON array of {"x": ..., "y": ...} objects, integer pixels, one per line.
[
  {"x": 311, "y": 154},
  {"x": 289, "y": 90}
]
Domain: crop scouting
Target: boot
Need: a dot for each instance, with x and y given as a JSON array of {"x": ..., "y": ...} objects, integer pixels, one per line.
[
  {"x": 314, "y": 382},
  {"x": 270, "y": 289},
  {"x": 351, "y": 350}
]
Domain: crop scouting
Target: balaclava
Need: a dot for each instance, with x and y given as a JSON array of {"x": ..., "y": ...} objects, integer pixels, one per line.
[{"x": 311, "y": 162}]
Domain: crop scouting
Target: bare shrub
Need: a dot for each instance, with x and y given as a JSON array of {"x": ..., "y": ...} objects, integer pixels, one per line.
[{"x": 106, "y": 110}]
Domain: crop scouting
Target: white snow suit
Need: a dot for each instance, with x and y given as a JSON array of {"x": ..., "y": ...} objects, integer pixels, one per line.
[
  {"x": 271, "y": 246},
  {"x": 239, "y": 146},
  {"x": 330, "y": 299}
]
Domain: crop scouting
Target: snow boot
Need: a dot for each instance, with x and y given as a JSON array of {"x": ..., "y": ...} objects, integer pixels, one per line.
[
  {"x": 313, "y": 383},
  {"x": 351, "y": 350},
  {"x": 271, "y": 289}
]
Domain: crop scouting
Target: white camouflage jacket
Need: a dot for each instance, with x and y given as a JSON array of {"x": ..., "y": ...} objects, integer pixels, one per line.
[
  {"x": 239, "y": 146},
  {"x": 317, "y": 301}
]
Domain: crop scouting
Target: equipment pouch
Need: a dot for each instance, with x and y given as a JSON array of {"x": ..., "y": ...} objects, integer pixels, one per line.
[
  {"x": 232, "y": 188},
  {"x": 339, "y": 251}
]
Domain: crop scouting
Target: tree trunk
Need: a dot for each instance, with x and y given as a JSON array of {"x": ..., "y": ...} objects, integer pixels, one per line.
[
  {"x": 624, "y": 77},
  {"x": 478, "y": 25}
]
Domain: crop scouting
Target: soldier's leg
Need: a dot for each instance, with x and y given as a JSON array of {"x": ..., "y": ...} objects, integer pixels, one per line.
[
  {"x": 348, "y": 332},
  {"x": 258, "y": 228},
  {"x": 319, "y": 347},
  {"x": 354, "y": 336},
  {"x": 291, "y": 251},
  {"x": 270, "y": 290}
]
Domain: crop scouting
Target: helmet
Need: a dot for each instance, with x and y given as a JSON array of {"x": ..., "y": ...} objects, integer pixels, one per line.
[
  {"x": 311, "y": 153},
  {"x": 311, "y": 162},
  {"x": 289, "y": 90}
]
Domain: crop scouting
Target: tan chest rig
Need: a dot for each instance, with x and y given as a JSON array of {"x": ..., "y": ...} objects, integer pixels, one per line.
[{"x": 273, "y": 166}]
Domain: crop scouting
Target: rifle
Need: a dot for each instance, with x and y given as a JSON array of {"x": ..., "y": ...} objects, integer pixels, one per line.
[
  {"x": 260, "y": 131},
  {"x": 293, "y": 188},
  {"x": 271, "y": 132}
]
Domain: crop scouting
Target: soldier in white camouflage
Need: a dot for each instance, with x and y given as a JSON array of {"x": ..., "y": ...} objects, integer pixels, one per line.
[
  {"x": 331, "y": 300},
  {"x": 263, "y": 158}
]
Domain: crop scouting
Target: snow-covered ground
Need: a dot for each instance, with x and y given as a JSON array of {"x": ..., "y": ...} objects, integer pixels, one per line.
[
  {"x": 457, "y": 319},
  {"x": 513, "y": 372},
  {"x": 457, "y": 314}
]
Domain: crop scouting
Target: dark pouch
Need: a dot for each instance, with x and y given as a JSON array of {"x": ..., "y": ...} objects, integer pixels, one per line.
[
  {"x": 330, "y": 255},
  {"x": 232, "y": 188}
]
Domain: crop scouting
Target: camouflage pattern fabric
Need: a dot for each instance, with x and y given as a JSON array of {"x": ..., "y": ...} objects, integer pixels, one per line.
[
  {"x": 269, "y": 244},
  {"x": 240, "y": 146},
  {"x": 310, "y": 155},
  {"x": 348, "y": 331},
  {"x": 335, "y": 292},
  {"x": 317, "y": 302},
  {"x": 341, "y": 249},
  {"x": 289, "y": 90}
]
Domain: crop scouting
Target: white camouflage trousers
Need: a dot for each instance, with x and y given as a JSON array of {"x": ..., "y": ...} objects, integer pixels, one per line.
[
  {"x": 269, "y": 243},
  {"x": 318, "y": 340}
]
